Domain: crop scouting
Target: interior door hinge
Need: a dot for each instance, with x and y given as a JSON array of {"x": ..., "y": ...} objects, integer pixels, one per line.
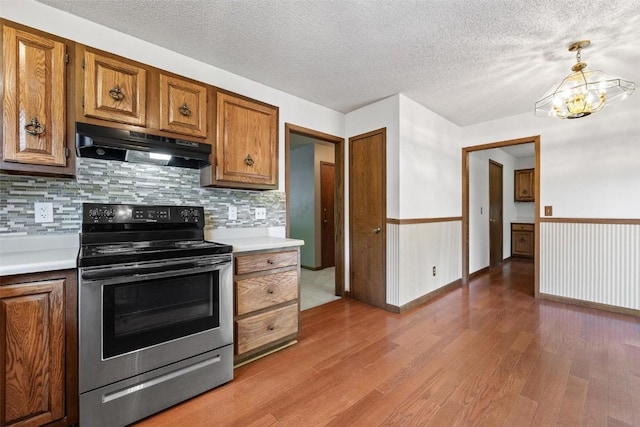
[{"x": 66, "y": 151}]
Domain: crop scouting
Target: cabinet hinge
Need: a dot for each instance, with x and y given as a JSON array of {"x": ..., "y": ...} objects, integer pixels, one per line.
[
  {"x": 66, "y": 151},
  {"x": 66, "y": 58},
  {"x": 83, "y": 63},
  {"x": 83, "y": 102}
]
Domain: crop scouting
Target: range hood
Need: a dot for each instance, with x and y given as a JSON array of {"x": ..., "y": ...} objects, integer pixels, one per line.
[{"x": 100, "y": 142}]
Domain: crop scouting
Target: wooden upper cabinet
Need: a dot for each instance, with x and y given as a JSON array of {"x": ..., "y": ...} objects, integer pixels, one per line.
[
  {"x": 246, "y": 143},
  {"x": 34, "y": 102},
  {"x": 32, "y": 346},
  {"x": 114, "y": 89},
  {"x": 183, "y": 106},
  {"x": 524, "y": 186}
]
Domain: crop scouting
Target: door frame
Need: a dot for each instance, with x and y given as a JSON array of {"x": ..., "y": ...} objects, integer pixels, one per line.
[
  {"x": 465, "y": 203},
  {"x": 339, "y": 209}
]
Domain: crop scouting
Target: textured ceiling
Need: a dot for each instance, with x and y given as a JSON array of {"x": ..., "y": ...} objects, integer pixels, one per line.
[{"x": 467, "y": 60}]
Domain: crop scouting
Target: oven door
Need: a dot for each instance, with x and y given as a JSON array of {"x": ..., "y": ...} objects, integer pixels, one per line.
[{"x": 141, "y": 316}]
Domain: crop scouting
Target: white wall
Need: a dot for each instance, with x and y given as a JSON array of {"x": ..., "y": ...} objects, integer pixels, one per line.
[
  {"x": 292, "y": 109},
  {"x": 588, "y": 167},
  {"x": 301, "y": 202},
  {"x": 429, "y": 167}
]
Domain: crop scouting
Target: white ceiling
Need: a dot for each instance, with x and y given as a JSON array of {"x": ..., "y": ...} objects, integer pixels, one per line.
[{"x": 467, "y": 60}]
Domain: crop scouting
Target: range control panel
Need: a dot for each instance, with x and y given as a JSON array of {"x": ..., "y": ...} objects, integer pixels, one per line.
[{"x": 93, "y": 213}]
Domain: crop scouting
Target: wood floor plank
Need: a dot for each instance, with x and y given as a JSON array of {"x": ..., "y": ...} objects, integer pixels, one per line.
[{"x": 483, "y": 354}]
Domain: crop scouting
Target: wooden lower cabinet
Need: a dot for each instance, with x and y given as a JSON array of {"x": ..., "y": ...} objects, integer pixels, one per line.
[
  {"x": 522, "y": 240},
  {"x": 267, "y": 301},
  {"x": 38, "y": 349}
]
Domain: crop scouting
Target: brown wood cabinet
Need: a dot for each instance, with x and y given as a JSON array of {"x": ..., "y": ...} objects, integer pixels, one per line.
[
  {"x": 114, "y": 88},
  {"x": 183, "y": 106},
  {"x": 34, "y": 67},
  {"x": 524, "y": 185},
  {"x": 522, "y": 240},
  {"x": 267, "y": 301},
  {"x": 246, "y": 147},
  {"x": 38, "y": 349}
]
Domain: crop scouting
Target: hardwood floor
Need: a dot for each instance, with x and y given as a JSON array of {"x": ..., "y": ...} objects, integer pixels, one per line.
[{"x": 486, "y": 354}]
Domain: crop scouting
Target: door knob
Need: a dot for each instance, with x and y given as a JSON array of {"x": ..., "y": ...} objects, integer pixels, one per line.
[
  {"x": 492, "y": 220},
  {"x": 377, "y": 230}
]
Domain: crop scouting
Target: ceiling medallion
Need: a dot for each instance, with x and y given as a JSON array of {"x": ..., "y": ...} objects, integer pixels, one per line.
[{"x": 583, "y": 92}]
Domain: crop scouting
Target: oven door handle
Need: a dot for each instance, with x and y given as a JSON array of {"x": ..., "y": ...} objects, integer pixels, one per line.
[{"x": 166, "y": 268}]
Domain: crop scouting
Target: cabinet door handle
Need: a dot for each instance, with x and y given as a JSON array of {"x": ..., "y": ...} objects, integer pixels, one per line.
[
  {"x": 270, "y": 291},
  {"x": 271, "y": 327},
  {"x": 184, "y": 110},
  {"x": 34, "y": 127},
  {"x": 248, "y": 160},
  {"x": 269, "y": 262},
  {"x": 116, "y": 93}
]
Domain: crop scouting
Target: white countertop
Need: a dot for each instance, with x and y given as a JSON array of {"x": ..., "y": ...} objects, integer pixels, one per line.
[
  {"x": 257, "y": 243},
  {"x": 32, "y": 254}
]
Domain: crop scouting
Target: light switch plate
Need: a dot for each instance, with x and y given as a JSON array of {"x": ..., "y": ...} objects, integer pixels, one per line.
[
  {"x": 261, "y": 213},
  {"x": 548, "y": 211},
  {"x": 43, "y": 212},
  {"x": 233, "y": 212}
]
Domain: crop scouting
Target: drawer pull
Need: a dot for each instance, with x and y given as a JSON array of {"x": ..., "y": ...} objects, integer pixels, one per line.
[
  {"x": 269, "y": 291},
  {"x": 270, "y": 262},
  {"x": 271, "y": 327}
]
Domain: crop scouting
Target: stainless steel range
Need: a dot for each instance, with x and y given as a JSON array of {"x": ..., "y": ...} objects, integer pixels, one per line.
[{"x": 155, "y": 311}]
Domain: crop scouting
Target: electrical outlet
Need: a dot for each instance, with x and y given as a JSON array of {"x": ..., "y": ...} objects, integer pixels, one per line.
[
  {"x": 261, "y": 213},
  {"x": 43, "y": 212},
  {"x": 233, "y": 212},
  {"x": 434, "y": 270}
]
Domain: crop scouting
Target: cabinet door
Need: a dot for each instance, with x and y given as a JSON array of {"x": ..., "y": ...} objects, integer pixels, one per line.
[
  {"x": 114, "y": 89},
  {"x": 183, "y": 106},
  {"x": 32, "y": 352},
  {"x": 246, "y": 143},
  {"x": 524, "y": 185},
  {"x": 522, "y": 243},
  {"x": 34, "y": 99}
]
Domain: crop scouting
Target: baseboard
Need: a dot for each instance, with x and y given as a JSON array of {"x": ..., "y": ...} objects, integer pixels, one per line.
[
  {"x": 590, "y": 304},
  {"x": 306, "y": 267},
  {"x": 478, "y": 273},
  {"x": 424, "y": 298}
]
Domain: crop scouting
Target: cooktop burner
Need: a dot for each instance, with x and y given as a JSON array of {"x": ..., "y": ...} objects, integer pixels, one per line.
[{"x": 115, "y": 234}]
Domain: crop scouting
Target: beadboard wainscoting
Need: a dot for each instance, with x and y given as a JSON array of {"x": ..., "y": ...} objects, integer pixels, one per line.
[
  {"x": 414, "y": 247},
  {"x": 596, "y": 261},
  {"x": 101, "y": 181}
]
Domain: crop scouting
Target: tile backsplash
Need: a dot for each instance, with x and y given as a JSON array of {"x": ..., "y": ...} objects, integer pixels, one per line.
[{"x": 101, "y": 181}]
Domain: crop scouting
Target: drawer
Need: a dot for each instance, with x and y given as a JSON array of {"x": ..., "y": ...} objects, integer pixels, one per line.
[
  {"x": 522, "y": 227},
  {"x": 265, "y": 261},
  {"x": 264, "y": 291},
  {"x": 264, "y": 328}
]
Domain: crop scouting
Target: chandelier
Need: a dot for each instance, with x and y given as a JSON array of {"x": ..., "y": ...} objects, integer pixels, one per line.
[{"x": 583, "y": 92}]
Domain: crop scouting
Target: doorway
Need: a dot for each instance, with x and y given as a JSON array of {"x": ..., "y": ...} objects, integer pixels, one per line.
[
  {"x": 367, "y": 217},
  {"x": 471, "y": 210},
  {"x": 495, "y": 213},
  {"x": 295, "y": 136}
]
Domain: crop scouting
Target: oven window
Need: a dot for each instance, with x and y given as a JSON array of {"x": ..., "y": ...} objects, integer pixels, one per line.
[{"x": 146, "y": 313}]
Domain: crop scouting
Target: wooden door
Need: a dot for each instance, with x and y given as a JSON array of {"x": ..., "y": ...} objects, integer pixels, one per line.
[
  {"x": 32, "y": 353},
  {"x": 183, "y": 106},
  {"x": 495, "y": 213},
  {"x": 114, "y": 89},
  {"x": 327, "y": 227},
  {"x": 34, "y": 99},
  {"x": 367, "y": 217},
  {"x": 246, "y": 142}
]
